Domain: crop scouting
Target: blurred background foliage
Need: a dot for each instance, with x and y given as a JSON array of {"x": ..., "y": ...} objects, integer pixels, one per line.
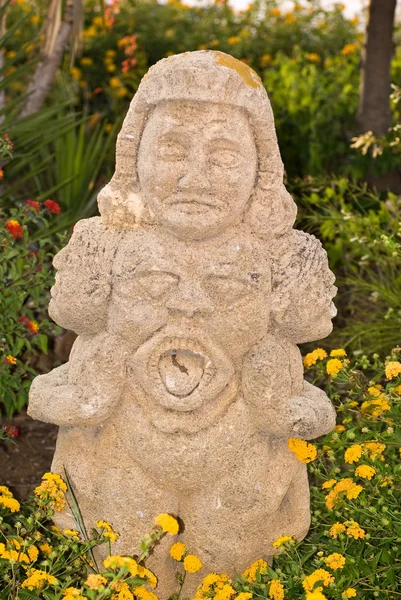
[{"x": 309, "y": 60}]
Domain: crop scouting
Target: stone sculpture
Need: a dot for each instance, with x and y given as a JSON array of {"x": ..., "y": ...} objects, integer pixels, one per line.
[{"x": 189, "y": 295}]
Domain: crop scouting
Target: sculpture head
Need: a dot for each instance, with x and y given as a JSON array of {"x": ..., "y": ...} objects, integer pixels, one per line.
[
  {"x": 198, "y": 152},
  {"x": 302, "y": 289}
]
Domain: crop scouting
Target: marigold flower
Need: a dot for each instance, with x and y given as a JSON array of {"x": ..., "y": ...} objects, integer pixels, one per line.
[
  {"x": 316, "y": 595},
  {"x": 33, "y": 327},
  {"x": 329, "y": 484},
  {"x": 304, "y": 452},
  {"x": 192, "y": 564},
  {"x": 95, "y": 581},
  {"x": 37, "y": 579},
  {"x": 258, "y": 567},
  {"x": 312, "y": 358},
  {"x": 338, "y": 352},
  {"x": 143, "y": 594},
  {"x": 33, "y": 204},
  {"x": 320, "y": 575},
  {"x": 108, "y": 531},
  {"x": 393, "y": 369},
  {"x": 11, "y": 503},
  {"x": 178, "y": 550},
  {"x": 11, "y": 360},
  {"x": 334, "y": 366},
  {"x": 276, "y": 590},
  {"x": 313, "y": 57},
  {"x": 349, "y": 49},
  {"x": 52, "y": 206},
  {"x": 282, "y": 540},
  {"x": 349, "y": 593},
  {"x": 73, "y": 593},
  {"x": 335, "y": 561},
  {"x": 354, "y": 530},
  {"x": 365, "y": 471},
  {"x": 168, "y": 523},
  {"x": 10, "y": 431},
  {"x": 336, "y": 529},
  {"x": 353, "y": 454},
  {"x": 14, "y": 227}
]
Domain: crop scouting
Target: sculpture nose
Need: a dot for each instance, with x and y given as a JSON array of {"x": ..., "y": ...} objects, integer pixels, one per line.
[
  {"x": 195, "y": 177},
  {"x": 189, "y": 300}
]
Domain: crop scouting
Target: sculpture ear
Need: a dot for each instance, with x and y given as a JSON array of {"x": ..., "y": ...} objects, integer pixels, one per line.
[{"x": 272, "y": 212}]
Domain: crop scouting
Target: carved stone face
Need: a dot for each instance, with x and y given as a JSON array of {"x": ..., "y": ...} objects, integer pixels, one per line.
[
  {"x": 197, "y": 166},
  {"x": 188, "y": 314}
]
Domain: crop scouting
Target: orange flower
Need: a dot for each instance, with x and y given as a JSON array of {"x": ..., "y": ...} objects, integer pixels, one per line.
[{"x": 15, "y": 228}]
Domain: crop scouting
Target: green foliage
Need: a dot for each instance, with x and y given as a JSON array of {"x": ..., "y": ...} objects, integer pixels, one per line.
[
  {"x": 25, "y": 270},
  {"x": 362, "y": 236}
]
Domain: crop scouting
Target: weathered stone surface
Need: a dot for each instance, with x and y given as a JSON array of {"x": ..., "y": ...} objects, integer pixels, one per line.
[{"x": 189, "y": 295}]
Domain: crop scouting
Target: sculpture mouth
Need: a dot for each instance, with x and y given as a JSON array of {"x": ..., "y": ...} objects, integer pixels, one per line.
[
  {"x": 181, "y": 373},
  {"x": 182, "y": 369}
]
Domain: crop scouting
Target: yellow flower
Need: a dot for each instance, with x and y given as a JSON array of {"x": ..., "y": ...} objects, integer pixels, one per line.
[
  {"x": 192, "y": 564},
  {"x": 10, "y": 503},
  {"x": 72, "y": 533},
  {"x": 35, "y": 19},
  {"x": 353, "y": 454},
  {"x": 336, "y": 529},
  {"x": 334, "y": 366},
  {"x": 275, "y": 12},
  {"x": 108, "y": 531},
  {"x": 393, "y": 369},
  {"x": 142, "y": 593},
  {"x": 339, "y": 428},
  {"x": 374, "y": 449},
  {"x": 52, "y": 491},
  {"x": 75, "y": 73},
  {"x": 46, "y": 548},
  {"x": 86, "y": 61},
  {"x": 4, "y": 491},
  {"x": 290, "y": 18},
  {"x": 386, "y": 481},
  {"x": 37, "y": 579},
  {"x": 265, "y": 60},
  {"x": 33, "y": 553},
  {"x": 316, "y": 595},
  {"x": 124, "y": 592},
  {"x": 234, "y": 39},
  {"x": 329, "y": 484},
  {"x": 304, "y": 452},
  {"x": 338, "y": 352},
  {"x": 115, "y": 83},
  {"x": 335, "y": 561},
  {"x": 349, "y": 49},
  {"x": 144, "y": 573},
  {"x": 374, "y": 391},
  {"x": 276, "y": 590},
  {"x": 244, "y": 596},
  {"x": 282, "y": 540},
  {"x": 111, "y": 68},
  {"x": 349, "y": 593},
  {"x": 313, "y": 57},
  {"x": 354, "y": 530},
  {"x": 11, "y": 359},
  {"x": 121, "y": 92},
  {"x": 365, "y": 471},
  {"x": 259, "y": 566},
  {"x": 312, "y": 358},
  {"x": 178, "y": 550},
  {"x": 168, "y": 523},
  {"x": 320, "y": 575},
  {"x": 225, "y": 593},
  {"x": 117, "y": 562},
  {"x": 95, "y": 581},
  {"x": 347, "y": 485},
  {"x": 73, "y": 593}
]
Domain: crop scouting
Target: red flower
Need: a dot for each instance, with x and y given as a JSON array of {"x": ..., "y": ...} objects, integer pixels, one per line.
[
  {"x": 24, "y": 320},
  {"x": 15, "y": 228},
  {"x": 33, "y": 327},
  {"x": 10, "y": 431},
  {"x": 97, "y": 90},
  {"x": 33, "y": 204},
  {"x": 52, "y": 206}
]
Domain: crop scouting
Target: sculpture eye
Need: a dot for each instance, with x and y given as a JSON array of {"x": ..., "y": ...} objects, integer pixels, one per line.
[
  {"x": 157, "y": 283},
  {"x": 226, "y": 289},
  {"x": 224, "y": 157},
  {"x": 171, "y": 150}
]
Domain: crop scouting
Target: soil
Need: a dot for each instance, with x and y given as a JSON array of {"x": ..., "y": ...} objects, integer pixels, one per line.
[{"x": 22, "y": 464}]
